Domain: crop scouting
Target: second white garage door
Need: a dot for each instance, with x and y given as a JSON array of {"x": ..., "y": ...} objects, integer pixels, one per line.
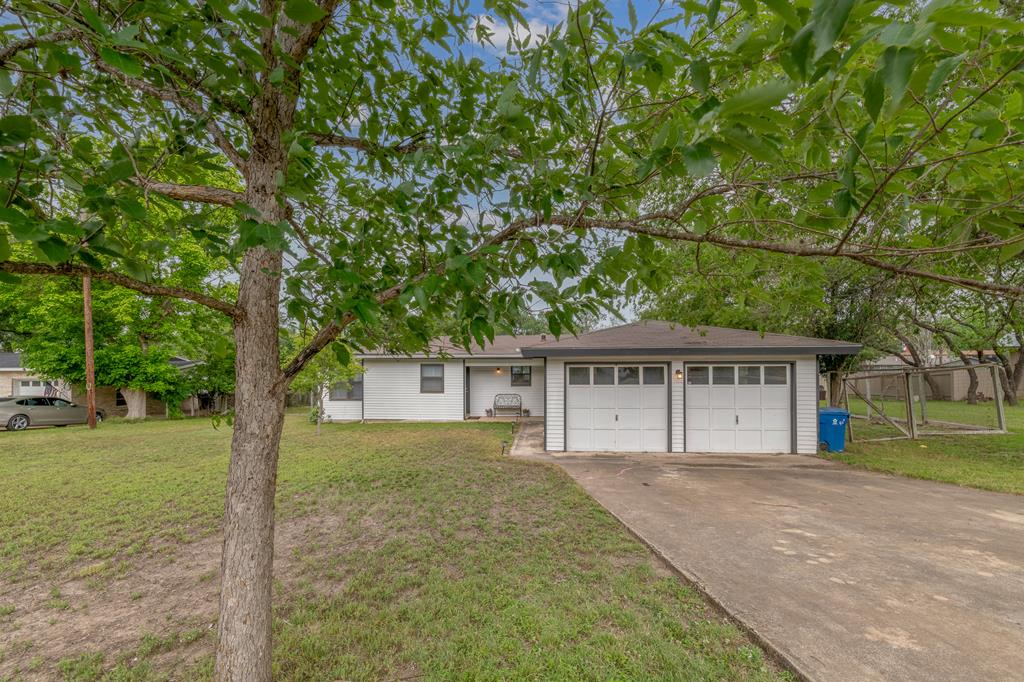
[
  {"x": 738, "y": 408},
  {"x": 617, "y": 408}
]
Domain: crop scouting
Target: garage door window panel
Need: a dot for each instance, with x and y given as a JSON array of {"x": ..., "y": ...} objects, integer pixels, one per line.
[
  {"x": 579, "y": 376},
  {"x": 750, "y": 375},
  {"x": 654, "y": 376},
  {"x": 629, "y": 376},
  {"x": 776, "y": 375},
  {"x": 604, "y": 376},
  {"x": 697, "y": 376},
  {"x": 723, "y": 376}
]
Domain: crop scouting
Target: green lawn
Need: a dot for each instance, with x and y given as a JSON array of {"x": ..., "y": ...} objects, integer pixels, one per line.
[
  {"x": 444, "y": 560},
  {"x": 991, "y": 462}
]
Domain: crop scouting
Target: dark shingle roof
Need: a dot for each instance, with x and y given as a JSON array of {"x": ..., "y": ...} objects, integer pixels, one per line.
[
  {"x": 505, "y": 345},
  {"x": 10, "y": 360},
  {"x": 667, "y": 338}
]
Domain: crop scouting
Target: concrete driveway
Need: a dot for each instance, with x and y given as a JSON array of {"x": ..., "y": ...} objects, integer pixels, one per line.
[{"x": 850, "y": 575}]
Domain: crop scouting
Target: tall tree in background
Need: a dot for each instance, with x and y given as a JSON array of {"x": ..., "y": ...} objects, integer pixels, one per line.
[{"x": 381, "y": 176}]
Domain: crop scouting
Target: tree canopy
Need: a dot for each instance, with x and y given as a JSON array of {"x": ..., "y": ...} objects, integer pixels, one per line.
[{"x": 380, "y": 175}]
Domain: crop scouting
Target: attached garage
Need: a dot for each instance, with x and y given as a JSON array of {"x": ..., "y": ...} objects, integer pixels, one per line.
[
  {"x": 620, "y": 407},
  {"x": 739, "y": 408},
  {"x": 662, "y": 387}
]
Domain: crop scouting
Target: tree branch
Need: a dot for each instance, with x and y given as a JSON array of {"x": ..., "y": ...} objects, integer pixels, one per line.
[
  {"x": 201, "y": 193},
  {"x": 334, "y": 140},
  {"x": 329, "y": 332},
  {"x": 8, "y": 51},
  {"x": 173, "y": 96},
  {"x": 147, "y": 288}
]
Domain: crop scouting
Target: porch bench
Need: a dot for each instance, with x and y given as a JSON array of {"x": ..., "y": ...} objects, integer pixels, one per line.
[{"x": 509, "y": 402}]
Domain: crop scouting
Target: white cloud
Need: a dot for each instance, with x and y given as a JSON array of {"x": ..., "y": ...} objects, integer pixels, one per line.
[{"x": 541, "y": 16}]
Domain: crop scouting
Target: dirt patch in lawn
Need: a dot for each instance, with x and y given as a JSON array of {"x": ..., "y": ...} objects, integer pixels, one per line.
[{"x": 163, "y": 610}]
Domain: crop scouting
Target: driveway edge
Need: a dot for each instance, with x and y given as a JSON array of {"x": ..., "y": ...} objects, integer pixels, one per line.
[{"x": 774, "y": 651}]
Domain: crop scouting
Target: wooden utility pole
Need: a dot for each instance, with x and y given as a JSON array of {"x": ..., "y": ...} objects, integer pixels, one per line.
[{"x": 90, "y": 359}]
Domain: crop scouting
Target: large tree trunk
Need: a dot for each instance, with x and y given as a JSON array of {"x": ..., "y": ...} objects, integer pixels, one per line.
[
  {"x": 1005, "y": 373},
  {"x": 972, "y": 375},
  {"x": 836, "y": 389},
  {"x": 244, "y": 627},
  {"x": 135, "y": 399},
  {"x": 917, "y": 360}
]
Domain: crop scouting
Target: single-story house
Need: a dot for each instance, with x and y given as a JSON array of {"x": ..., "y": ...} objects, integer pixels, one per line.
[
  {"x": 642, "y": 387},
  {"x": 16, "y": 380}
]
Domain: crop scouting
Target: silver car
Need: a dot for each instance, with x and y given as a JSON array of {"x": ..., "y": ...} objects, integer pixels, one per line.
[{"x": 19, "y": 413}]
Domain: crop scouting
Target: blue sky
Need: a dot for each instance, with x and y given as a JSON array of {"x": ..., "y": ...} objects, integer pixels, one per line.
[{"x": 543, "y": 14}]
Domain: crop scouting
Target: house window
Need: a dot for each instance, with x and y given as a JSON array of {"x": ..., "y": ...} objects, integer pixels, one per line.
[
  {"x": 119, "y": 400},
  {"x": 522, "y": 375},
  {"x": 348, "y": 390},
  {"x": 431, "y": 378}
]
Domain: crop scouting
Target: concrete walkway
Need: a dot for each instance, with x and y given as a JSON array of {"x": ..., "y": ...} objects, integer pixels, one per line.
[{"x": 849, "y": 575}]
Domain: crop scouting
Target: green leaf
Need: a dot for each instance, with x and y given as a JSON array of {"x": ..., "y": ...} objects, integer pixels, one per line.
[
  {"x": 632, "y": 15},
  {"x": 713, "y": 8},
  {"x": 342, "y": 352},
  {"x": 700, "y": 74},
  {"x": 874, "y": 94},
  {"x": 1005, "y": 253},
  {"x": 941, "y": 73},
  {"x": 122, "y": 62},
  {"x": 960, "y": 16},
  {"x": 699, "y": 160},
  {"x": 828, "y": 17},
  {"x": 897, "y": 65},
  {"x": 16, "y": 128},
  {"x": 54, "y": 249},
  {"x": 785, "y": 10},
  {"x": 5, "y": 248},
  {"x": 756, "y": 98},
  {"x": 842, "y": 202},
  {"x": 304, "y": 11}
]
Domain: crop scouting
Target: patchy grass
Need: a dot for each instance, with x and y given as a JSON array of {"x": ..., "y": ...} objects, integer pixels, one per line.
[
  {"x": 993, "y": 462},
  {"x": 433, "y": 558}
]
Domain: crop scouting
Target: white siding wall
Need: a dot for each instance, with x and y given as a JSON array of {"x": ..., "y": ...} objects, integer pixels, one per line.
[
  {"x": 391, "y": 390},
  {"x": 806, "y": 405},
  {"x": 485, "y": 383},
  {"x": 341, "y": 410},
  {"x": 805, "y": 386},
  {"x": 554, "y": 421}
]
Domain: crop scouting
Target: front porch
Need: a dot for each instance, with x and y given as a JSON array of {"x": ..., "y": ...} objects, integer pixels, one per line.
[{"x": 503, "y": 383}]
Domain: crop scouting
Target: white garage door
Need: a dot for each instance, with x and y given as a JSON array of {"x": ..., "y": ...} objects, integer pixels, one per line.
[
  {"x": 617, "y": 407},
  {"x": 738, "y": 408}
]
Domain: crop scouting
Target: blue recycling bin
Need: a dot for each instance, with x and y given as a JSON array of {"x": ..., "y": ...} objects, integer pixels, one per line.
[{"x": 832, "y": 427}]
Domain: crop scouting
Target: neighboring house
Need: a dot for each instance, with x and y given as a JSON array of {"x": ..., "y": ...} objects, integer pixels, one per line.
[
  {"x": 15, "y": 380},
  {"x": 646, "y": 387}
]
